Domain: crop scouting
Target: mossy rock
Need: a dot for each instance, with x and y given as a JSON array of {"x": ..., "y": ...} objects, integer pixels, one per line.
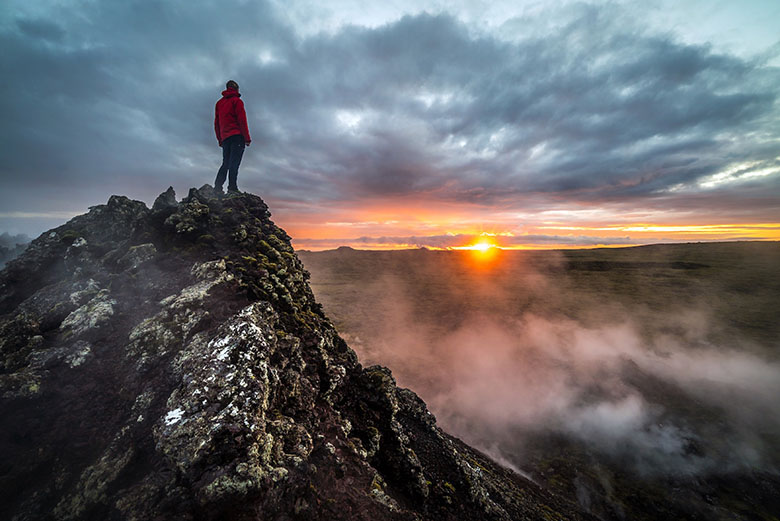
[{"x": 68, "y": 236}]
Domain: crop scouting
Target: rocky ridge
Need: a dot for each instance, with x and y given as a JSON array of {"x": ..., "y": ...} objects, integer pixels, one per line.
[{"x": 172, "y": 363}]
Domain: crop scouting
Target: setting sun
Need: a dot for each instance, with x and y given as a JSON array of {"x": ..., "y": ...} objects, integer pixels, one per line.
[
  {"x": 483, "y": 245},
  {"x": 483, "y": 250}
]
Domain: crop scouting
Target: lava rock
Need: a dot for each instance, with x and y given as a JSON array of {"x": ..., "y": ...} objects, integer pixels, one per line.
[{"x": 173, "y": 363}]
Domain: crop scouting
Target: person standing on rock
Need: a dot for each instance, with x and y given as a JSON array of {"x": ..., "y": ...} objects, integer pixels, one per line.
[{"x": 232, "y": 134}]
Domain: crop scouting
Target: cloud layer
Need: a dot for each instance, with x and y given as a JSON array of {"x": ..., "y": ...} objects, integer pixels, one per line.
[{"x": 568, "y": 106}]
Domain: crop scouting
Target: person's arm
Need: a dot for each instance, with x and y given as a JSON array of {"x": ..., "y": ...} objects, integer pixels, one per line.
[
  {"x": 216, "y": 125},
  {"x": 242, "y": 125}
]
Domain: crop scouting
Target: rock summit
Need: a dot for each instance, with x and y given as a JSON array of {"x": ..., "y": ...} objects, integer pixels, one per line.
[{"x": 172, "y": 363}]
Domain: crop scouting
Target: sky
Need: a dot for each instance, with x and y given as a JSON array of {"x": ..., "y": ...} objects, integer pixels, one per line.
[{"x": 405, "y": 124}]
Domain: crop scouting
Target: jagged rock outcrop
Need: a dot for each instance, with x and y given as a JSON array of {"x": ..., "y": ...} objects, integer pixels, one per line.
[{"x": 172, "y": 363}]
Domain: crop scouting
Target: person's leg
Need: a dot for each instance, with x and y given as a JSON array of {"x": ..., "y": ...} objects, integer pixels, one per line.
[
  {"x": 236, "y": 153},
  {"x": 223, "y": 170}
]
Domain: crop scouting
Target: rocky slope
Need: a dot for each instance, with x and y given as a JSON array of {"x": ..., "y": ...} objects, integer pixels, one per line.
[{"x": 171, "y": 363}]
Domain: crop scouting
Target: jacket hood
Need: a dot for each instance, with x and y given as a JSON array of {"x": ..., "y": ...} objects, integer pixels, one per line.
[{"x": 229, "y": 93}]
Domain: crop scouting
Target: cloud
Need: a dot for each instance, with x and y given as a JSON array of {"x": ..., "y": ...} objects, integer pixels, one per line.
[
  {"x": 459, "y": 240},
  {"x": 591, "y": 108}
]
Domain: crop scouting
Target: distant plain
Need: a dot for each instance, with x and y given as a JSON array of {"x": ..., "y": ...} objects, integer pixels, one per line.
[{"x": 644, "y": 380}]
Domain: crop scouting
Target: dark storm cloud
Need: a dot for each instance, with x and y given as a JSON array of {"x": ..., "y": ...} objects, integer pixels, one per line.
[
  {"x": 118, "y": 97},
  {"x": 111, "y": 96},
  {"x": 592, "y": 112}
]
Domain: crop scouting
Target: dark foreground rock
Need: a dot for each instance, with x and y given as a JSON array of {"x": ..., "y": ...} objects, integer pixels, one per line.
[{"x": 171, "y": 363}]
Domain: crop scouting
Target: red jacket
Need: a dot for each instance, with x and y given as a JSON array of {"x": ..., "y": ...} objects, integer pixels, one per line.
[{"x": 230, "y": 117}]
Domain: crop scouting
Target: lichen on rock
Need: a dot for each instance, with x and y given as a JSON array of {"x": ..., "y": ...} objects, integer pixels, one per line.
[{"x": 91, "y": 315}]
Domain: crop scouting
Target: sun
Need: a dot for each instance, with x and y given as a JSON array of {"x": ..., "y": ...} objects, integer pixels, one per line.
[
  {"x": 482, "y": 246},
  {"x": 483, "y": 252}
]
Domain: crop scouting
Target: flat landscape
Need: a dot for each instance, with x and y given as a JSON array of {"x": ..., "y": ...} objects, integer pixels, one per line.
[{"x": 643, "y": 381}]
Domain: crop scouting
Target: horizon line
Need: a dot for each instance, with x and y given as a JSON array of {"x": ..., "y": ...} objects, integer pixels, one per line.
[{"x": 535, "y": 247}]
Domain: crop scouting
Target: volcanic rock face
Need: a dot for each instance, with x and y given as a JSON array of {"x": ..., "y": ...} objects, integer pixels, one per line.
[{"x": 172, "y": 364}]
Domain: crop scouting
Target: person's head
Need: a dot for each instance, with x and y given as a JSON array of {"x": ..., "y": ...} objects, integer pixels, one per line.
[{"x": 231, "y": 85}]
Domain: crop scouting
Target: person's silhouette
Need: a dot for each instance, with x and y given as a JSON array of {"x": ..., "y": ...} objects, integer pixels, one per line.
[{"x": 232, "y": 134}]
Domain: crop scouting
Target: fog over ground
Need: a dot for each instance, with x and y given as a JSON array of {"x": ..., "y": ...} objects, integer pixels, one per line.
[
  {"x": 11, "y": 246},
  {"x": 647, "y": 387}
]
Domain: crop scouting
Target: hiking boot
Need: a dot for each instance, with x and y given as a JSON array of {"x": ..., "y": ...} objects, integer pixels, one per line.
[{"x": 232, "y": 191}]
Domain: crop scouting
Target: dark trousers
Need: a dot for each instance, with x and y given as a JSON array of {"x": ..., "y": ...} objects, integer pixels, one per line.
[{"x": 232, "y": 151}]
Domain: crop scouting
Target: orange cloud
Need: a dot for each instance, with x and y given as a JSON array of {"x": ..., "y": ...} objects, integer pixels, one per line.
[{"x": 417, "y": 222}]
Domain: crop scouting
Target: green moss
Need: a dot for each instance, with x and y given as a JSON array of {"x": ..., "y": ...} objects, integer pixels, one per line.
[
  {"x": 449, "y": 486},
  {"x": 57, "y": 307},
  {"x": 268, "y": 265},
  {"x": 378, "y": 378},
  {"x": 226, "y": 486},
  {"x": 475, "y": 463},
  {"x": 278, "y": 244},
  {"x": 68, "y": 236},
  {"x": 377, "y": 483},
  {"x": 549, "y": 514}
]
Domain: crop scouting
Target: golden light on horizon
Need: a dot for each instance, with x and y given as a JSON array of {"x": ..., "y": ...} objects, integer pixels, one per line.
[
  {"x": 483, "y": 251},
  {"x": 482, "y": 246},
  {"x": 412, "y": 224}
]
